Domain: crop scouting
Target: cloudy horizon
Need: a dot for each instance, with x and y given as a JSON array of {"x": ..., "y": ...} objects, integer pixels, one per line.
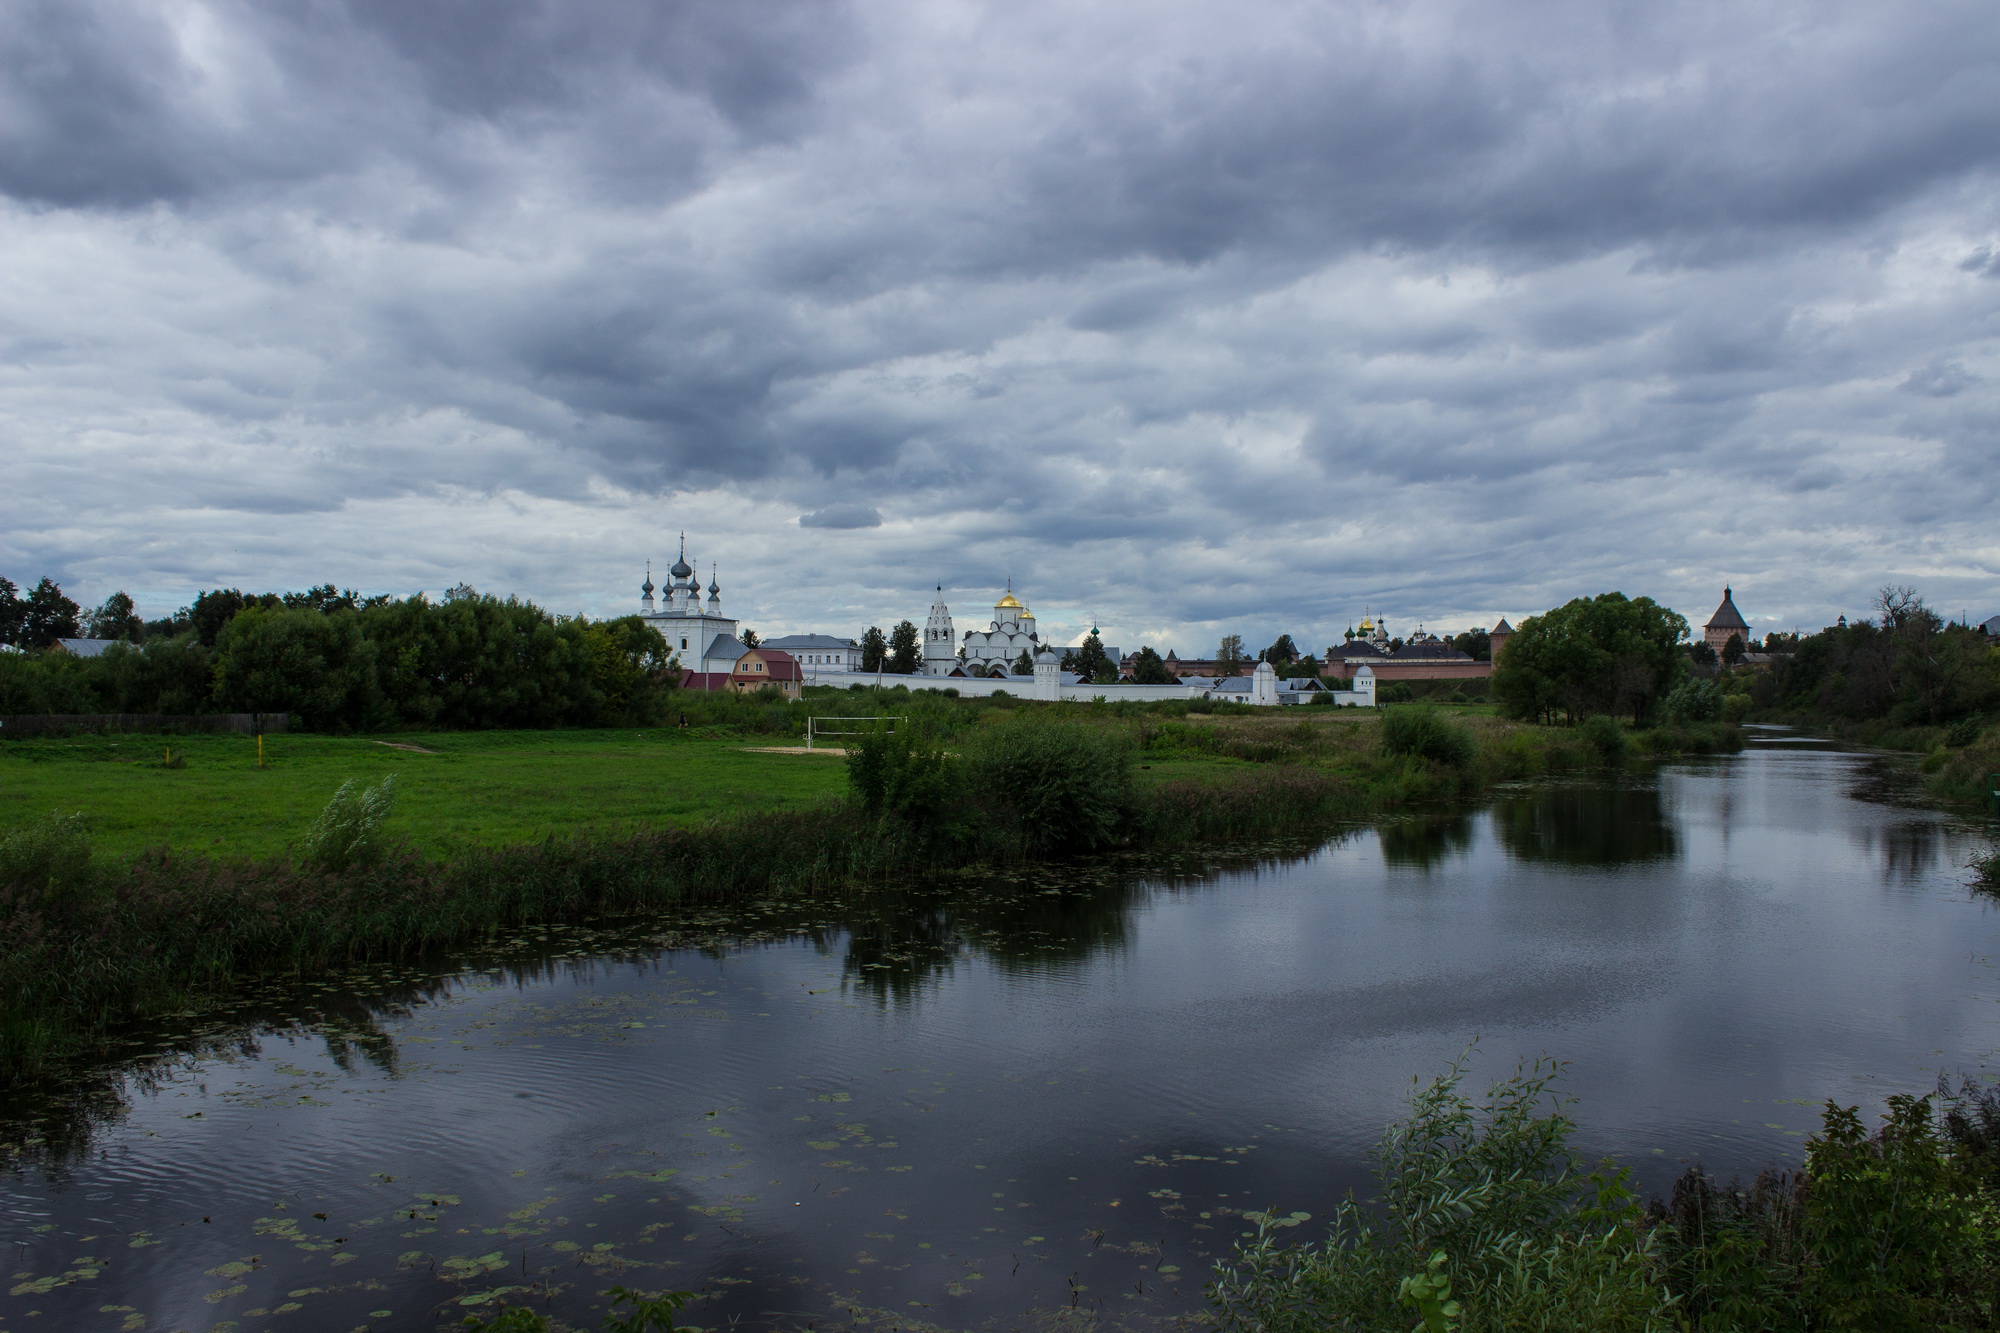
[{"x": 1188, "y": 320}]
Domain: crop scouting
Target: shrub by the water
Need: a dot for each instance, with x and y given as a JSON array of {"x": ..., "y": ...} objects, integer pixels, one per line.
[
  {"x": 1486, "y": 1198},
  {"x": 1484, "y": 1207},
  {"x": 1603, "y": 734},
  {"x": 1424, "y": 732},
  {"x": 1067, "y": 788}
]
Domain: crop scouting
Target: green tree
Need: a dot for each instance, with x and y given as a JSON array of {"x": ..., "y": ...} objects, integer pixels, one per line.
[
  {"x": 874, "y": 650},
  {"x": 115, "y": 620},
  {"x": 271, "y": 660},
  {"x": 1281, "y": 652},
  {"x": 12, "y": 611},
  {"x": 1476, "y": 644},
  {"x": 1606, "y": 654},
  {"x": 477, "y": 661},
  {"x": 1092, "y": 662},
  {"x": 628, "y": 666},
  {"x": 748, "y": 638},
  {"x": 1151, "y": 669},
  {"x": 1732, "y": 651},
  {"x": 906, "y": 656},
  {"x": 212, "y": 611},
  {"x": 1024, "y": 665},
  {"x": 48, "y": 616},
  {"x": 1229, "y": 654}
]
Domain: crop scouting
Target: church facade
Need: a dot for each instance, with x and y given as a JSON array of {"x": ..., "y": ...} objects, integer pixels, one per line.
[
  {"x": 1001, "y": 643},
  {"x": 701, "y": 639}
]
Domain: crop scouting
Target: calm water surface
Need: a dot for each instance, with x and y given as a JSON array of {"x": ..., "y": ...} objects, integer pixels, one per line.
[{"x": 974, "y": 1106}]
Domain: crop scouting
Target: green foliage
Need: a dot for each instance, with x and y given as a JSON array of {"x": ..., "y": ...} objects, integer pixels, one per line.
[
  {"x": 1694, "y": 700},
  {"x": 1603, "y": 734},
  {"x": 1733, "y": 1256},
  {"x": 1908, "y": 667},
  {"x": 1963, "y": 732},
  {"x": 1606, "y": 654},
  {"x": 1529, "y": 1239},
  {"x": 906, "y": 775},
  {"x": 1889, "y": 1223},
  {"x": 348, "y": 833},
  {"x": 12, "y": 611},
  {"x": 650, "y": 1314},
  {"x": 47, "y": 615},
  {"x": 1425, "y": 732},
  {"x": 274, "y": 660},
  {"x": 1985, "y": 868},
  {"x": 1065, "y": 787},
  {"x": 906, "y": 654},
  {"x": 1091, "y": 661},
  {"x": 874, "y": 650},
  {"x": 115, "y": 619},
  {"x": 512, "y": 1319},
  {"x": 1151, "y": 669},
  {"x": 49, "y": 860}
]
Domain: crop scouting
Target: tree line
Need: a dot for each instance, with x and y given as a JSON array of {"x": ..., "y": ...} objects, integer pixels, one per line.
[{"x": 338, "y": 661}]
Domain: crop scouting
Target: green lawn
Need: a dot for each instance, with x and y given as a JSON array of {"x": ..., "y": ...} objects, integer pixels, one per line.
[{"x": 479, "y": 788}]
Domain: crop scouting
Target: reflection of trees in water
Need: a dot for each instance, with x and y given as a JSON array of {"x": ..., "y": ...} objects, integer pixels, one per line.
[
  {"x": 896, "y": 942},
  {"x": 1586, "y": 826},
  {"x": 1425, "y": 841},
  {"x": 53, "y": 1127},
  {"x": 1908, "y": 850},
  {"x": 1030, "y": 919}
]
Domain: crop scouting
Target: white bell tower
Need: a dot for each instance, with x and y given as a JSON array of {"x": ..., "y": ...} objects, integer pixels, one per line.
[{"x": 940, "y": 643}]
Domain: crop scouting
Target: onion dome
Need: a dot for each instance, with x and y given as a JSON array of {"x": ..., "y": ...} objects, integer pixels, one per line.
[
  {"x": 647, "y": 586},
  {"x": 1007, "y": 603},
  {"x": 682, "y": 569}
]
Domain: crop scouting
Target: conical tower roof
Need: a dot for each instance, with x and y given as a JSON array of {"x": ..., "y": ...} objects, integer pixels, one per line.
[{"x": 1727, "y": 616}]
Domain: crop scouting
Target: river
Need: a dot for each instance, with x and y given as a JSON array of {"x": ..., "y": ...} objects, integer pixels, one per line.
[{"x": 1020, "y": 1101}]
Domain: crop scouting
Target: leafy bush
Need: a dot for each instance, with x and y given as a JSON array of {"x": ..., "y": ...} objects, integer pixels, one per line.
[
  {"x": 348, "y": 833},
  {"x": 1694, "y": 700},
  {"x": 1424, "y": 732},
  {"x": 1603, "y": 734},
  {"x": 905, "y": 774},
  {"x": 1896, "y": 1244},
  {"x": 49, "y": 859},
  {"x": 1962, "y": 733},
  {"x": 1482, "y": 1206},
  {"x": 1066, "y": 786}
]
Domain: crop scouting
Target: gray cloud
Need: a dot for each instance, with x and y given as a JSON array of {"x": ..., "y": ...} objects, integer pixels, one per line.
[
  {"x": 844, "y": 516},
  {"x": 1186, "y": 323}
]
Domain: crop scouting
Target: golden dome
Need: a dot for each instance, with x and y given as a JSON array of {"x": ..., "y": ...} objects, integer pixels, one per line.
[
  {"x": 1366, "y": 624},
  {"x": 1007, "y": 603}
]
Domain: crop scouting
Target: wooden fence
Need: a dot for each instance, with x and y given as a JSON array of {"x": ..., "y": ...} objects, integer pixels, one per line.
[{"x": 56, "y": 724}]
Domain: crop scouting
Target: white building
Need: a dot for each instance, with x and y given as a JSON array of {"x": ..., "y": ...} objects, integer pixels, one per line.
[
  {"x": 940, "y": 643},
  {"x": 1012, "y": 633},
  {"x": 700, "y": 638},
  {"x": 818, "y": 653}
]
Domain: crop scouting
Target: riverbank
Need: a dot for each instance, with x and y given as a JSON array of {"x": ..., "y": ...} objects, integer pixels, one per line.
[{"x": 91, "y": 943}]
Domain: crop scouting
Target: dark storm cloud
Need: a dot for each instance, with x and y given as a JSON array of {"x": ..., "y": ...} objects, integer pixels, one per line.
[{"x": 1472, "y": 307}]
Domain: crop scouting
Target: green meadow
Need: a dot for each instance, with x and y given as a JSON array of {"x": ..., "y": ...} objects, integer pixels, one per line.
[{"x": 454, "y": 789}]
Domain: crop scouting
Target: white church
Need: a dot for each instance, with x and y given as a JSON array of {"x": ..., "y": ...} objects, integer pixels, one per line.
[
  {"x": 701, "y": 638},
  {"x": 1001, "y": 644}
]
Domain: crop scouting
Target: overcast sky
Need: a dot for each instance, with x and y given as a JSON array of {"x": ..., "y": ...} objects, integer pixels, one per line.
[{"x": 1189, "y": 317}]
